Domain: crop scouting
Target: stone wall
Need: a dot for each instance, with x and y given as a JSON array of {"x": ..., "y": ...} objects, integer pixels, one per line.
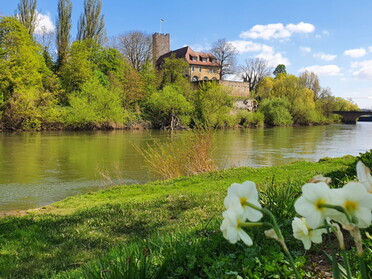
[{"x": 238, "y": 88}]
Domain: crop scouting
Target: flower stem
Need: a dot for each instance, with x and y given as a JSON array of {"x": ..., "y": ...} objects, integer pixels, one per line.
[
  {"x": 279, "y": 234},
  {"x": 335, "y": 269},
  {"x": 340, "y": 209},
  {"x": 249, "y": 225}
]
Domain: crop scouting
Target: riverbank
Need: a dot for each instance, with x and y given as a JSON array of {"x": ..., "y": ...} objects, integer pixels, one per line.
[
  {"x": 41, "y": 168},
  {"x": 177, "y": 220}
]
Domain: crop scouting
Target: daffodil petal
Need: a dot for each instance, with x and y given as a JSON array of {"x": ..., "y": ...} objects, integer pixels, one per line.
[
  {"x": 253, "y": 215},
  {"x": 245, "y": 237}
]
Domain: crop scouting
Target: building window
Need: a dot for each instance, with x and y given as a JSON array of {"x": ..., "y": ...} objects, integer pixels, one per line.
[
  {"x": 194, "y": 78},
  {"x": 192, "y": 68},
  {"x": 194, "y": 58},
  {"x": 200, "y": 68},
  {"x": 214, "y": 79},
  {"x": 204, "y": 59},
  {"x": 212, "y": 70},
  {"x": 205, "y": 78}
]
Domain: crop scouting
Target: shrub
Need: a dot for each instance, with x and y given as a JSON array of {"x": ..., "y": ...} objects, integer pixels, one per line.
[
  {"x": 250, "y": 119},
  {"x": 94, "y": 106},
  {"x": 276, "y": 111}
]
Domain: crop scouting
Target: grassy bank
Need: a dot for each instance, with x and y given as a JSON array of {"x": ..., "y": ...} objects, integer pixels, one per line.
[{"x": 173, "y": 223}]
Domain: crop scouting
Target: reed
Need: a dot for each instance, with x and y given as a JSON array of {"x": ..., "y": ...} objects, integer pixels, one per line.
[{"x": 185, "y": 153}]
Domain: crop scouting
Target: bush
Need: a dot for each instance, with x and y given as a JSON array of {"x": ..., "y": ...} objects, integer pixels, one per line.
[
  {"x": 94, "y": 106},
  {"x": 276, "y": 111},
  {"x": 250, "y": 119},
  {"x": 212, "y": 105}
]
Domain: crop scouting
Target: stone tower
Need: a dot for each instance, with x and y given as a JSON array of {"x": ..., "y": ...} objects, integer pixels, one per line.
[{"x": 160, "y": 46}]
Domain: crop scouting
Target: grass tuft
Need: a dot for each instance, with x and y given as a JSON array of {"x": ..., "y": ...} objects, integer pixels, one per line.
[{"x": 185, "y": 154}]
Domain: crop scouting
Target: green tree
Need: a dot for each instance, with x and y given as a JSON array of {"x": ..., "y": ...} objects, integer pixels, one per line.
[
  {"x": 94, "y": 106},
  {"x": 78, "y": 68},
  {"x": 212, "y": 104},
  {"x": 21, "y": 64},
  {"x": 149, "y": 77},
  {"x": 26, "y": 84},
  {"x": 91, "y": 24},
  {"x": 169, "y": 108},
  {"x": 280, "y": 69},
  {"x": 174, "y": 70},
  {"x": 63, "y": 30},
  {"x": 27, "y": 15}
]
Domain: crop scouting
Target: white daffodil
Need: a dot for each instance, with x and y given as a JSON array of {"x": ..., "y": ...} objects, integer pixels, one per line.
[
  {"x": 320, "y": 178},
  {"x": 309, "y": 205},
  {"x": 357, "y": 203},
  {"x": 231, "y": 227},
  {"x": 364, "y": 176},
  {"x": 238, "y": 195},
  {"x": 302, "y": 232}
]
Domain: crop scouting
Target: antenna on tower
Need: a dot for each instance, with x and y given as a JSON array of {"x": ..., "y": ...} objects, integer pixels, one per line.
[{"x": 161, "y": 21}]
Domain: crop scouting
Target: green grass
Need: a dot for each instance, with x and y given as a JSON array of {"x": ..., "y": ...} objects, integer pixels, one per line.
[{"x": 177, "y": 221}]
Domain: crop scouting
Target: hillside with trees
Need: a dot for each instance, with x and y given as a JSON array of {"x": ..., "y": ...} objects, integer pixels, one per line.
[{"x": 90, "y": 85}]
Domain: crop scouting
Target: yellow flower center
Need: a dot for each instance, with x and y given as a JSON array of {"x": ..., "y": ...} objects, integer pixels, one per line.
[
  {"x": 350, "y": 206},
  {"x": 243, "y": 200},
  {"x": 319, "y": 203},
  {"x": 238, "y": 222}
]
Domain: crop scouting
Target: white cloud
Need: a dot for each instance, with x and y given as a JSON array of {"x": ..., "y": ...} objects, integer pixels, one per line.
[
  {"x": 363, "y": 73},
  {"x": 301, "y": 27},
  {"x": 274, "y": 58},
  {"x": 362, "y": 64},
  {"x": 44, "y": 24},
  {"x": 364, "y": 70},
  {"x": 276, "y": 31},
  {"x": 325, "y": 57},
  {"x": 266, "y": 52},
  {"x": 370, "y": 49},
  {"x": 326, "y": 70},
  {"x": 325, "y": 33},
  {"x": 249, "y": 46},
  {"x": 355, "y": 53},
  {"x": 305, "y": 49}
]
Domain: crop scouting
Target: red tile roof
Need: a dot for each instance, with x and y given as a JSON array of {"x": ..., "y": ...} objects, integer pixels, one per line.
[{"x": 186, "y": 53}]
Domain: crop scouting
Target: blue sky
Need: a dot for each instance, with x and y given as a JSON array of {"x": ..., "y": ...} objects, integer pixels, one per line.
[{"x": 333, "y": 38}]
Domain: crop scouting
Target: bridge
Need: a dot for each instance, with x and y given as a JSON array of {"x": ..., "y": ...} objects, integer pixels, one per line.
[{"x": 351, "y": 117}]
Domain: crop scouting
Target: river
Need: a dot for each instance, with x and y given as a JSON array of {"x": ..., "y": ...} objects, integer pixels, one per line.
[{"x": 40, "y": 168}]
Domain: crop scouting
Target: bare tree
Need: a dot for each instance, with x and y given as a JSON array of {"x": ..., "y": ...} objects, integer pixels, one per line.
[
  {"x": 136, "y": 47},
  {"x": 225, "y": 53},
  {"x": 27, "y": 15},
  {"x": 255, "y": 70},
  {"x": 310, "y": 80},
  {"x": 63, "y": 30},
  {"x": 92, "y": 24}
]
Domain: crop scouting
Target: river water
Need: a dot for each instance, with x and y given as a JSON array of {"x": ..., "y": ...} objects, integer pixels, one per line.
[{"x": 37, "y": 169}]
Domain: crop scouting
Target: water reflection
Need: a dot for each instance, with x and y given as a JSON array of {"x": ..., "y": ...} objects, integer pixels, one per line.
[{"x": 39, "y": 168}]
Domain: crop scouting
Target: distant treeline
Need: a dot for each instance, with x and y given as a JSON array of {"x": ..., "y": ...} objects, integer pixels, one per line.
[{"x": 91, "y": 86}]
